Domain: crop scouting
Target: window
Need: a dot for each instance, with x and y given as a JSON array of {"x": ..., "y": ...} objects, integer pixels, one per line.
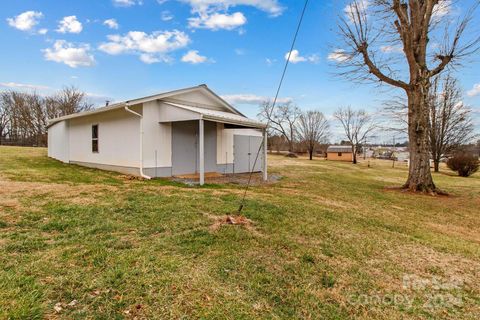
[
  {"x": 95, "y": 138},
  {"x": 339, "y": 154}
]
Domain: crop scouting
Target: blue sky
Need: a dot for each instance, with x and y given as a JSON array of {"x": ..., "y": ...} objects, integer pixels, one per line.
[{"x": 124, "y": 49}]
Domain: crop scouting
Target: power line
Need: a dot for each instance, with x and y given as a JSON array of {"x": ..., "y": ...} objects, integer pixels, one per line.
[{"x": 274, "y": 102}]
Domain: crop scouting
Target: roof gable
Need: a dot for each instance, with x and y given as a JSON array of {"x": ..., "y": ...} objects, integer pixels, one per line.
[{"x": 200, "y": 96}]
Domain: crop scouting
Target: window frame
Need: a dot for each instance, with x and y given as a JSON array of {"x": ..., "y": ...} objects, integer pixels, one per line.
[{"x": 95, "y": 139}]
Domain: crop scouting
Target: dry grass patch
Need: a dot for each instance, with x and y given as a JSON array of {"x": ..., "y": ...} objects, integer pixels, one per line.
[{"x": 301, "y": 249}]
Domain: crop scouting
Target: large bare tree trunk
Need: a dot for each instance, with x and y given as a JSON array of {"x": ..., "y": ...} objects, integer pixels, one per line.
[
  {"x": 410, "y": 25},
  {"x": 419, "y": 175}
]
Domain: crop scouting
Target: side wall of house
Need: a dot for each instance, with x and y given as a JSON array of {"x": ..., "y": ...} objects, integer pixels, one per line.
[
  {"x": 58, "y": 138},
  {"x": 118, "y": 141},
  {"x": 157, "y": 141}
]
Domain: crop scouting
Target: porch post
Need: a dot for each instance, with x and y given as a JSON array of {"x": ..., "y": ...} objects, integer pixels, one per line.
[
  {"x": 265, "y": 149},
  {"x": 201, "y": 148}
]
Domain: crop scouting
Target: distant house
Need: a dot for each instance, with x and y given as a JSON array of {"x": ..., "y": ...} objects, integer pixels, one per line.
[
  {"x": 340, "y": 153},
  {"x": 187, "y": 131}
]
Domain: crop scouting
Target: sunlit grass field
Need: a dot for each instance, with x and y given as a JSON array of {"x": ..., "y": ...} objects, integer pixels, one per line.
[{"x": 327, "y": 241}]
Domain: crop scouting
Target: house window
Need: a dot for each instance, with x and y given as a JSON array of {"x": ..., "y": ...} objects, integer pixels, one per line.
[
  {"x": 339, "y": 154},
  {"x": 95, "y": 138}
]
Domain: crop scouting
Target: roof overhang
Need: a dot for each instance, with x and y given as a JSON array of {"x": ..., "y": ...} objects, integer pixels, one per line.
[{"x": 195, "y": 113}]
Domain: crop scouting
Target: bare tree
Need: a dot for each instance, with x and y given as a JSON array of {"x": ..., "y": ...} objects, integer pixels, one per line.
[
  {"x": 451, "y": 123},
  {"x": 394, "y": 115},
  {"x": 24, "y": 116},
  {"x": 4, "y": 116},
  {"x": 372, "y": 30},
  {"x": 70, "y": 100},
  {"x": 312, "y": 130},
  {"x": 357, "y": 125},
  {"x": 283, "y": 120}
]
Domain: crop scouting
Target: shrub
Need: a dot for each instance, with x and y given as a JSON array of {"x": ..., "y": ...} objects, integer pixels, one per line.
[
  {"x": 291, "y": 155},
  {"x": 465, "y": 164}
]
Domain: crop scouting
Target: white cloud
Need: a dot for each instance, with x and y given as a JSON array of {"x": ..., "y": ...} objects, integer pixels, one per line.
[
  {"x": 23, "y": 86},
  {"x": 43, "y": 31},
  {"x": 70, "y": 54},
  {"x": 194, "y": 57},
  {"x": 272, "y": 7},
  {"x": 251, "y": 99},
  {"x": 150, "y": 58},
  {"x": 391, "y": 49},
  {"x": 166, "y": 15},
  {"x": 295, "y": 57},
  {"x": 217, "y": 21},
  {"x": 475, "y": 91},
  {"x": 215, "y": 15},
  {"x": 70, "y": 24},
  {"x": 339, "y": 55},
  {"x": 150, "y": 47},
  {"x": 111, "y": 23},
  {"x": 25, "y": 21},
  {"x": 127, "y": 3}
]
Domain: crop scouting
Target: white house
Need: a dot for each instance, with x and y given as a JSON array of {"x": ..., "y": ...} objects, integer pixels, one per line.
[{"x": 187, "y": 131}]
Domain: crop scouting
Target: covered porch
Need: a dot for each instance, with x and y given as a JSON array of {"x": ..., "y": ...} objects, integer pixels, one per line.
[{"x": 208, "y": 142}]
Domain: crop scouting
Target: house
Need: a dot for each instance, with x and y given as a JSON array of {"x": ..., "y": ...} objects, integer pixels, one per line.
[
  {"x": 340, "y": 153},
  {"x": 186, "y": 131}
]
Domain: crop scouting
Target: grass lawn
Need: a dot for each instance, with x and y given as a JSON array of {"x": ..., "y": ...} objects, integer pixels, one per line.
[{"x": 328, "y": 241}]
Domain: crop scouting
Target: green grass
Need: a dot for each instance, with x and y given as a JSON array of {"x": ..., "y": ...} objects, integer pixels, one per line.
[{"x": 327, "y": 240}]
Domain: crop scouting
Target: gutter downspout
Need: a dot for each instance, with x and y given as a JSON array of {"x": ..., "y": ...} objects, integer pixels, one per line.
[{"x": 141, "y": 142}]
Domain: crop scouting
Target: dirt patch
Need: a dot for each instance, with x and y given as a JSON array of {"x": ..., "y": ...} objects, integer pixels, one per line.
[
  {"x": 234, "y": 220},
  {"x": 231, "y": 220},
  {"x": 438, "y": 193},
  {"x": 127, "y": 177}
]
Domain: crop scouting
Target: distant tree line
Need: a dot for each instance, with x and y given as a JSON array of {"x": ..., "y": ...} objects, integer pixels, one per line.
[
  {"x": 24, "y": 116},
  {"x": 290, "y": 127}
]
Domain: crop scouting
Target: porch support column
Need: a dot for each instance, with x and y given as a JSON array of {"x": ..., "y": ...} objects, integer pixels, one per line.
[
  {"x": 265, "y": 147},
  {"x": 201, "y": 143}
]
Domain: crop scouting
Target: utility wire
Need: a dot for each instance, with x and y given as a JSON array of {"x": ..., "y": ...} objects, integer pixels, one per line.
[{"x": 242, "y": 203}]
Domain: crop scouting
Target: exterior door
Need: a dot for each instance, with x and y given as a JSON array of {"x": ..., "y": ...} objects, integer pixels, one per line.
[
  {"x": 245, "y": 151},
  {"x": 184, "y": 147}
]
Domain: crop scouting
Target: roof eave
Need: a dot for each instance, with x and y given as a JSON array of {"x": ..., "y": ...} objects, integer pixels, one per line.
[
  {"x": 254, "y": 125},
  {"x": 85, "y": 113}
]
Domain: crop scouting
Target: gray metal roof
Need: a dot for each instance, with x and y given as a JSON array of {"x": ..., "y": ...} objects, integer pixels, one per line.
[{"x": 339, "y": 149}]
